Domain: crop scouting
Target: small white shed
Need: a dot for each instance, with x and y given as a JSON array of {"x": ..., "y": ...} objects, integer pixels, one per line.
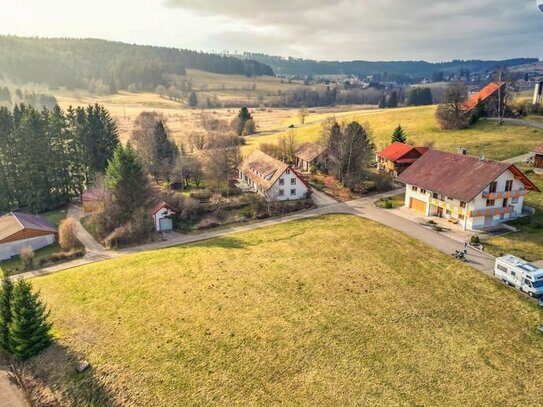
[{"x": 162, "y": 217}]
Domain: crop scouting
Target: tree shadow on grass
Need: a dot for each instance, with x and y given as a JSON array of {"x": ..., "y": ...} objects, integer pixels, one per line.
[
  {"x": 225, "y": 242},
  {"x": 51, "y": 379}
]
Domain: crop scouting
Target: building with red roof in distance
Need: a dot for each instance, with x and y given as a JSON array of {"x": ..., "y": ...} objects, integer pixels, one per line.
[
  {"x": 488, "y": 96},
  {"x": 397, "y": 157}
]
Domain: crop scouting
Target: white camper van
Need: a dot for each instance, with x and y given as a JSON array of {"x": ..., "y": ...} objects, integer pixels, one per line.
[{"x": 519, "y": 273}]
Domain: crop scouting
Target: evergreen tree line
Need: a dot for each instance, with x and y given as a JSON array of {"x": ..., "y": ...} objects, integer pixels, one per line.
[
  {"x": 74, "y": 63},
  {"x": 48, "y": 157},
  {"x": 34, "y": 99},
  {"x": 24, "y": 327}
]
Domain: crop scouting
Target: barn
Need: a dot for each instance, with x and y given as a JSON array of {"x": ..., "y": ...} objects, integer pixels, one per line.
[{"x": 18, "y": 230}]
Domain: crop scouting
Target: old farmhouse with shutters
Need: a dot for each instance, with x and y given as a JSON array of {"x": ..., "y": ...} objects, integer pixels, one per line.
[
  {"x": 18, "y": 230},
  {"x": 397, "y": 157},
  {"x": 271, "y": 178},
  {"x": 474, "y": 192}
]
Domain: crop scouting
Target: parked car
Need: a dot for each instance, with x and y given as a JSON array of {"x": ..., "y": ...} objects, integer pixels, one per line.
[{"x": 520, "y": 274}]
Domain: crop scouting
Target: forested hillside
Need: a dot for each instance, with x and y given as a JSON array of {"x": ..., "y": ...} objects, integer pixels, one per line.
[
  {"x": 75, "y": 63},
  {"x": 395, "y": 69}
]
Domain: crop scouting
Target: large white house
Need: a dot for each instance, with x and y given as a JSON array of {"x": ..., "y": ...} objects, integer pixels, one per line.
[
  {"x": 272, "y": 178},
  {"x": 474, "y": 192}
]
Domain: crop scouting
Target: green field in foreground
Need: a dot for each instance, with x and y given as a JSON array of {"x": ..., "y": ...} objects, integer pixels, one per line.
[
  {"x": 488, "y": 138},
  {"x": 336, "y": 310}
]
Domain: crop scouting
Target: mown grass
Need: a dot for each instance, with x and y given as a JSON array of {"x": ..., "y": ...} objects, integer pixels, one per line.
[
  {"x": 528, "y": 242},
  {"x": 488, "y": 138},
  {"x": 396, "y": 201},
  {"x": 335, "y": 310}
]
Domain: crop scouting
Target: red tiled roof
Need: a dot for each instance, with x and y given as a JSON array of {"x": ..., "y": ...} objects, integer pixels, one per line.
[
  {"x": 483, "y": 94},
  {"x": 456, "y": 175},
  {"x": 539, "y": 149},
  {"x": 397, "y": 150}
]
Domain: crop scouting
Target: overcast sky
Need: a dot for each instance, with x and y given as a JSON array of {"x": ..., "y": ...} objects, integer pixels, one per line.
[{"x": 433, "y": 30}]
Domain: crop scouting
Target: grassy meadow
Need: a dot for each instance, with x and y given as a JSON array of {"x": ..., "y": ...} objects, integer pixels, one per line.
[
  {"x": 488, "y": 138},
  {"x": 335, "y": 310}
]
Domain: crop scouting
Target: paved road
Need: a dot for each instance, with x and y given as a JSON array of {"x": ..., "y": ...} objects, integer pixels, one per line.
[
  {"x": 10, "y": 394},
  {"x": 92, "y": 247},
  {"x": 361, "y": 207},
  {"x": 321, "y": 199},
  {"x": 519, "y": 122}
]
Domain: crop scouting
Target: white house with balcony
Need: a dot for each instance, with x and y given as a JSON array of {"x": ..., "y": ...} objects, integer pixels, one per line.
[
  {"x": 473, "y": 192},
  {"x": 271, "y": 178}
]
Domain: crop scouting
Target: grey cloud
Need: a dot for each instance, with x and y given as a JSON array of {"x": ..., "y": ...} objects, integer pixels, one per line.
[{"x": 378, "y": 29}]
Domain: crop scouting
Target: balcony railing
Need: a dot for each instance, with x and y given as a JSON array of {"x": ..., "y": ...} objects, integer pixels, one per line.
[
  {"x": 491, "y": 211},
  {"x": 442, "y": 204},
  {"x": 504, "y": 194}
]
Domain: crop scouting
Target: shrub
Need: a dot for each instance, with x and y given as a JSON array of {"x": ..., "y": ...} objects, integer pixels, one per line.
[
  {"x": 475, "y": 240},
  {"x": 67, "y": 234},
  {"x": 388, "y": 204},
  {"x": 27, "y": 257}
]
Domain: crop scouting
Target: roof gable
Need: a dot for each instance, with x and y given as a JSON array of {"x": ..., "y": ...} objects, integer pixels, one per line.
[
  {"x": 309, "y": 151},
  {"x": 15, "y": 221},
  {"x": 263, "y": 169},
  {"x": 456, "y": 175},
  {"x": 397, "y": 150},
  {"x": 483, "y": 95}
]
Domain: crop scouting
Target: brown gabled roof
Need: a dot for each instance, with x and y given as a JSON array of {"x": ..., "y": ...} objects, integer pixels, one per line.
[
  {"x": 539, "y": 149},
  {"x": 483, "y": 95},
  {"x": 14, "y": 222},
  {"x": 456, "y": 175},
  {"x": 263, "y": 169},
  {"x": 397, "y": 150},
  {"x": 309, "y": 151}
]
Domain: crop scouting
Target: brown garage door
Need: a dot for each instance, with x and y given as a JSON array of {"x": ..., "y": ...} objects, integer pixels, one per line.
[{"x": 418, "y": 205}]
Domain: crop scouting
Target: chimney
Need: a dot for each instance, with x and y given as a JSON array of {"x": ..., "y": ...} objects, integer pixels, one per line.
[{"x": 462, "y": 151}]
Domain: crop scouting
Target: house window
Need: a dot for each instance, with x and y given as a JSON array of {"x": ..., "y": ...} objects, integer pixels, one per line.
[
  {"x": 493, "y": 187},
  {"x": 281, "y": 192},
  {"x": 449, "y": 198},
  {"x": 422, "y": 191},
  {"x": 281, "y": 181},
  {"x": 505, "y": 202},
  {"x": 490, "y": 202},
  {"x": 462, "y": 204},
  {"x": 435, "y": 195},
  {"x": 287, "y": 171},
  {"x": 414, "y": 188},
  {"x": 514, "y": 201},
  {"x": 293, "y": 191},
  {"x": 293, "y": 181},
  {"x": 509, "y": 185}
]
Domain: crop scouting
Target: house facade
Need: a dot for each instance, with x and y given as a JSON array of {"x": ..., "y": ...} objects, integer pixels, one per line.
[
  {"x": 308, "y": 155},
  {"x": 475, "y": 193},
  {"x": 19, "y": 230},
  {"x": 272, "y": 178},
  {"x": 397, "y": 157}
]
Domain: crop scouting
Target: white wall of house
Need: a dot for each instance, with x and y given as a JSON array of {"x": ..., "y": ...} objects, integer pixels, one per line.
[
  {"x": 10, "y": 249},
  {"x": 161, "y": 214},
  {"x": 288, "y": 187},
  {"x": 452, "y": 207}
]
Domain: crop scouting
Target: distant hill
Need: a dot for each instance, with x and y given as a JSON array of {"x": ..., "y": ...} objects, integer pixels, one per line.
[
  {"x": 411, "y": 69},
  {"x": 74, "y": 63}
]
